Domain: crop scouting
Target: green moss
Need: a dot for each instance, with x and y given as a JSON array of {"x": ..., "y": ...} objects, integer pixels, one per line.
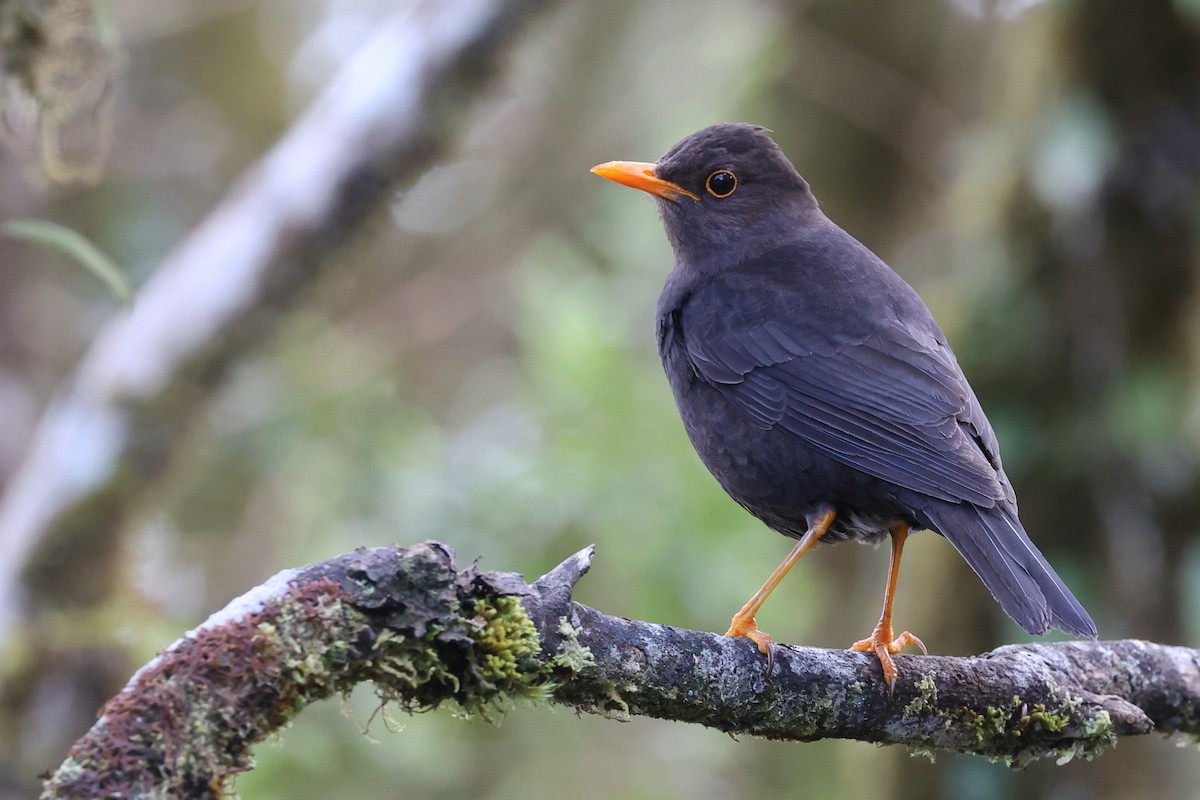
[
  {"x": 572, "y": 655},
  {"x": 616, "y": 708},
  {"x": 1100, "y": 726},
  {"x": 232, "y": 683},
  {"x": 480, "y": 665},
  {"x": 506, "y": 636},
  {"x": 309, "y": 663},
  {"x": 926, "y": 699},
  {"x": 994, "y": 722},
  {"x": 411, "y": 673},
  {"x": 1048, "y": 720},
  {"x": 198, "y": 708},
  {"x": 1099, "y": 733},
  {"x": 1000, "y": 728}
]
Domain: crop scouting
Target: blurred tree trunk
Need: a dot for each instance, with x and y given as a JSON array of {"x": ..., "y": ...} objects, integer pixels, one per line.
[
  {"x": 1118, "y": 266},
  {"x": 1126, "y": 274},
  {"x": 1113, "y": 264}
]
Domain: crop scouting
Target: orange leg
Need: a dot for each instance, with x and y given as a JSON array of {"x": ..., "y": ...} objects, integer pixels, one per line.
[
  {"x": 881, "y": 642},
  {"x": 743, "y": 623}
]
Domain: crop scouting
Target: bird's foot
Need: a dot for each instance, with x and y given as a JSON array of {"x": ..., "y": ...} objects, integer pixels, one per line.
[
  {"x": 882, "y": 644},
  {"x": 747, "y": 627}
]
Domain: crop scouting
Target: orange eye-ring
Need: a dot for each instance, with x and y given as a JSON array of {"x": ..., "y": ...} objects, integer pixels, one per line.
[{"x": 721, "y": 183}]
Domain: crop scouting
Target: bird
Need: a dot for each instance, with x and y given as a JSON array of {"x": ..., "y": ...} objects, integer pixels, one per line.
[{"x": 817, "y": 388}]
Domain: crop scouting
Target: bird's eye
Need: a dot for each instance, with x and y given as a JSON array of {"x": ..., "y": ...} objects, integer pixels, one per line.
[{"x": 721, "y": 183}]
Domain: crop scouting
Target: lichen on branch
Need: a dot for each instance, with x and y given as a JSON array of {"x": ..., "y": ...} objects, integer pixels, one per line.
[
  {"x": 404, "y": 620},
  {"x": 426, "y": 634}
]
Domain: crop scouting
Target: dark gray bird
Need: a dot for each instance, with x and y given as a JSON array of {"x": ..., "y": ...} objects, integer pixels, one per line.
[{"x": 817, "y": 388}]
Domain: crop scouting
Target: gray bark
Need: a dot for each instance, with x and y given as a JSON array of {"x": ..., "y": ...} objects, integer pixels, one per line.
[{"x": 426, "y": 634}]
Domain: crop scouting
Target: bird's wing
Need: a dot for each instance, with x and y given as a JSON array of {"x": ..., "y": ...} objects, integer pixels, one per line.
[{"x": 887, "y": 398}]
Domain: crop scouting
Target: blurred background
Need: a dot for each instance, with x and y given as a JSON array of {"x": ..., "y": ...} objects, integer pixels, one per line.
[{"x": 480, "y": 368}]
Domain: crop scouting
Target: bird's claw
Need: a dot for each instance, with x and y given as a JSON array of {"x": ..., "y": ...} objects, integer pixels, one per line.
[
  {"x": 882, "y": 644},
  {"x": 746, "y": 627}
]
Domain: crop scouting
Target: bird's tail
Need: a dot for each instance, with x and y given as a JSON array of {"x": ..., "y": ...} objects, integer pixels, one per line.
[{"x": 996, "y": 546}]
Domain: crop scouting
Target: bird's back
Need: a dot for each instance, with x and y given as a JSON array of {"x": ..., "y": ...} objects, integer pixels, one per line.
[
  {"x": 796, "y": 368},
  {"x": 812, "y": 374}
]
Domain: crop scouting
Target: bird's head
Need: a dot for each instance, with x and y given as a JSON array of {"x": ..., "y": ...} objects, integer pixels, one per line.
[{"x": 725, "y": 193}]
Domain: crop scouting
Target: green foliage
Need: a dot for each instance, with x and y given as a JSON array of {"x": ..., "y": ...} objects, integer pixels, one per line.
[{"x": 75, "y": 245}]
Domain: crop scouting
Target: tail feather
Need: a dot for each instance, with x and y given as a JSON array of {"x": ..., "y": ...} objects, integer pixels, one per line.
[{"x": 996, "y": 546}]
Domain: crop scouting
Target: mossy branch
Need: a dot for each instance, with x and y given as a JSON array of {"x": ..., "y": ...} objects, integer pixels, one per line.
[{"x": 427, "y": 633}]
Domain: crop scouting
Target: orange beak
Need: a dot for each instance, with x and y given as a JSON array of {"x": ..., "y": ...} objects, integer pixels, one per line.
[{"x": 641, "y": 175}]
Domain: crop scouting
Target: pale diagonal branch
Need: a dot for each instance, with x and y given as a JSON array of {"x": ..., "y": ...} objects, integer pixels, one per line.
[{"x": 386, "y": 116}]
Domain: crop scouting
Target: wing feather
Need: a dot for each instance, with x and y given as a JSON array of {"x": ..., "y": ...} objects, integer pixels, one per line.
[{"x": 890, "y": 401}]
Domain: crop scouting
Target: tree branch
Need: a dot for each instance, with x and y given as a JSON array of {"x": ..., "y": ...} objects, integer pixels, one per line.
[
  {"x": 112, "y": 428},
  {"x": 426, "y": 633}
]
